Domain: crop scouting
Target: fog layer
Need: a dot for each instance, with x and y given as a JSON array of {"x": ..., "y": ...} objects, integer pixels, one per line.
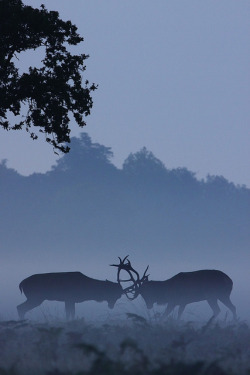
[{"x": 85, "y": 212}]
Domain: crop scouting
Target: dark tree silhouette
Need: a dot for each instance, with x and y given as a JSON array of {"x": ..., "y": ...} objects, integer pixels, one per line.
[
  {"x": 44, "y": 96},
  {"x": 144, "y": 163},
  {"x": 86, "y": 154}
]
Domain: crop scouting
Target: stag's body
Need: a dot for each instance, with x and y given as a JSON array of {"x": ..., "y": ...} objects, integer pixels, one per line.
[
  {"x": 68, "y": 287},
  {"x": 188, "y": 287}
]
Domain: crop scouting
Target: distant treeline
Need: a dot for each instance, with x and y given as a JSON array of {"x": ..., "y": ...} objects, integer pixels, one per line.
[{"x": 85, "y": 202}]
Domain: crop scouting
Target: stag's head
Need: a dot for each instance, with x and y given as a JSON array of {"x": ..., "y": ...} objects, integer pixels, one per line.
[
  {"x": 133, "y": 290},
  {"x": 113, "y": 293}
]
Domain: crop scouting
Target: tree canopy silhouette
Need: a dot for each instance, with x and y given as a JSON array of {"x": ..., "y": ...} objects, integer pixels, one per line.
[
  {"x": 44, "y": 96},
  {"x": 144, "y": 163},
  {"x": 85, "y": 156}
]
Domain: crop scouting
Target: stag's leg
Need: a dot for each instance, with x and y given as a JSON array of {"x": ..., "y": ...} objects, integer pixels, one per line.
[
  {"x": 73, "y": 311},
  {"x": 169, "y": 309},
  {"x": 27, "y": 305},
  {"x": 228, "y": 303},
  {"x": 180, "y": 311},
  {"x": 214, "y": 306},
  {"x": 70, "y": 309}
]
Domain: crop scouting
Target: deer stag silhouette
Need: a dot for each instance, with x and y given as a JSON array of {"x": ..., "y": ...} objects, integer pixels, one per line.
[
  {"x": 180, "y": 290},
  {"x": 68, "y": 287}
]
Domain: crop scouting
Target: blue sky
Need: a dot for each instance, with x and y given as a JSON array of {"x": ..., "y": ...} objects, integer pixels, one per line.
[{"x": 173, "y": 76}]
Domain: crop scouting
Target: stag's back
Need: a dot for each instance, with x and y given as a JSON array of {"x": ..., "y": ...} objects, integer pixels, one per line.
[
  {"x": 55, "y": 286},
  {"x": 199, "y": 285},
  {"x": 188, "y": 287}
]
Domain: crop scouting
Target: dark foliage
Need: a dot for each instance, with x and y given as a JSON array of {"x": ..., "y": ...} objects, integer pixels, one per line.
[
  {"x": 44, "y": 96},
  {"x": 122, "y": 349}
]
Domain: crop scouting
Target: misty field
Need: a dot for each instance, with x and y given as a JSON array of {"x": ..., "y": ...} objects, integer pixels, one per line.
[{"x": 130, "y": 346}]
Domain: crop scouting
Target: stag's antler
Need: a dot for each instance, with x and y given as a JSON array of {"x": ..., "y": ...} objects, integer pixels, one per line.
[
  {"x": 127, "y": 267},
  {"x": 134, "y": 289},
  {"x": 144, "y": 277}
]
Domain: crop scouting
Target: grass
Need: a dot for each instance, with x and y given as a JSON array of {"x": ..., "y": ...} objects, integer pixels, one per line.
[{"x": 135, "y": 346}]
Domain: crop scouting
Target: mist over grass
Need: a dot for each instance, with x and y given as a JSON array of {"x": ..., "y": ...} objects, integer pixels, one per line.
[
  {"x": 92, "y": 311},
  {"x": 133, "y": 345}
]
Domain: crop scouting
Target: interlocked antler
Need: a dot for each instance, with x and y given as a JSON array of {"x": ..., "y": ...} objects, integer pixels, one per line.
[
  {"x": 134, "y": 289},
  {"x": 144, "y": 277}
]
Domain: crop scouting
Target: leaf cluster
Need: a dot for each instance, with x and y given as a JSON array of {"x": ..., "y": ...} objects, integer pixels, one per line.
[{"x": 47, "y": 94}]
